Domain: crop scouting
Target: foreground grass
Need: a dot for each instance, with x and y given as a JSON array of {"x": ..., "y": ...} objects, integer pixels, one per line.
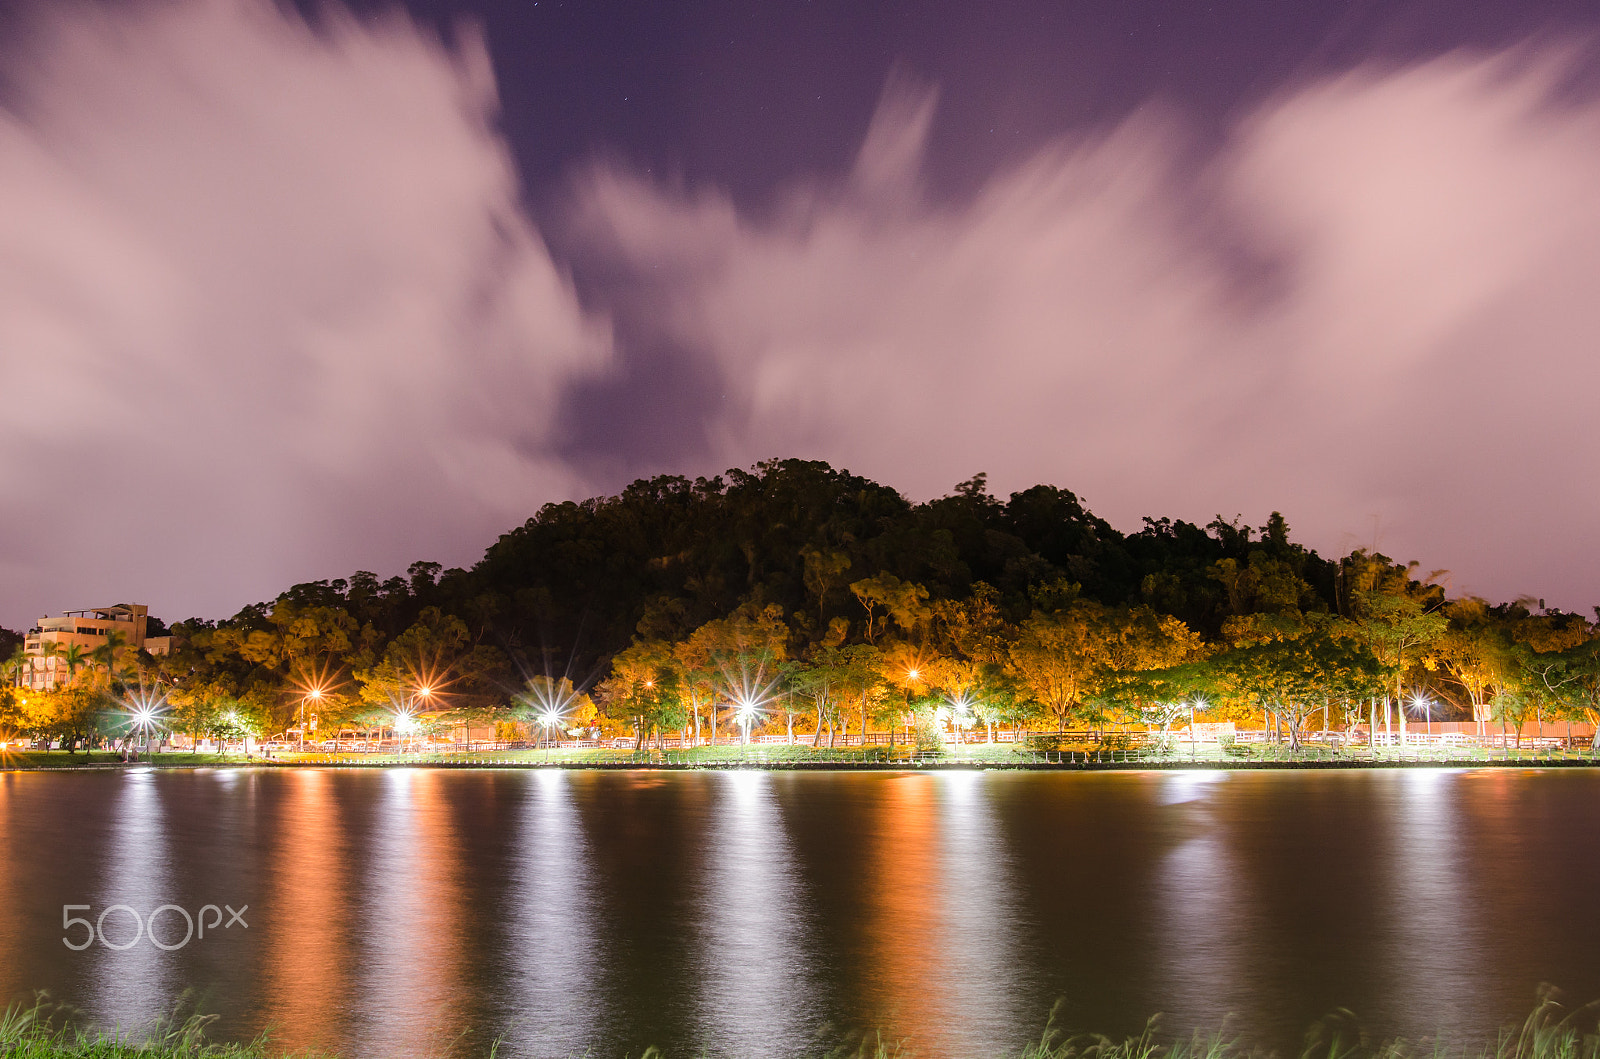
[
  {"x": 1552, "y": 1031},
  {"x": 34, "y": 1033}
]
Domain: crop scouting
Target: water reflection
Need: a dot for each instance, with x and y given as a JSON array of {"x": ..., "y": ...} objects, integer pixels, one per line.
[
  {"x": 307, "y": 920},
  {"x": 979, "y": 977},
  {"x": 899, "y": 911},
  {"x": 10, "y": 880},
  {"x": 1203, "y": 898},
  {"x": 132, "y": 977},
  {"x": 735, "y": 913},
  {"x": 413, "y": 978},
  {"x": 753, "y": 979},
  {"x": 1432, "y": 948},
  {"x": 551, "y": 933}
]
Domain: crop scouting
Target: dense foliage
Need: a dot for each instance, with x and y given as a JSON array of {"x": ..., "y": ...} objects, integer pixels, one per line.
[{"x": 798, "y": 594}]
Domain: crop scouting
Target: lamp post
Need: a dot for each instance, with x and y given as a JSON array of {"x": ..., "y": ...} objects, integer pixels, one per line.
[
  {"x": 746, "y": 712},
  {"x": 314, "y": 695},
  {"x": 912, "y": 676},
  {"x": 1421, "y": 702},
  {"x": 425, "y": 692},
  {"x": 548, "y": 720},
  {"x": 144, "y": 721}
]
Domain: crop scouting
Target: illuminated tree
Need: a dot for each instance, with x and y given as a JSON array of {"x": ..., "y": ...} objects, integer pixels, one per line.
[
  {"x": 104, "y": 655},
  {"x": 1059, "y": 658},
  {"x": 900, "y": 602},
  {"x": 75, "y": 658},
  {"x": 1399, "y": 618},
  {"x": 1296, "y": 672},
  {"x": 645, "y": 686},
  {"x": 1476, "y": 652}
]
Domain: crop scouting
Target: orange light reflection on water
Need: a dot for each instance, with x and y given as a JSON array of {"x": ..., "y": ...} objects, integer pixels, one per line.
[
  {"x": 304, "y": 973},
  {"x": 903, "y": 913},
  {"x": 414, "y": 971}
]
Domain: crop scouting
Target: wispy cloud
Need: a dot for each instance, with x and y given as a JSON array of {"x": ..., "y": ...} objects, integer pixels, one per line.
[
  {"x": 1373, "y": 302},
  {"x": 270, "y": 309},
  {"x": 269, "y": 306}
]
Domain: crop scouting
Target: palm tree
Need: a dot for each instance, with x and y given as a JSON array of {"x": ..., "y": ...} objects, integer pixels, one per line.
[
  {"x": 73, "y": 656},
  {"x": 49, "y": 649},
  {"x": 106, "y": 654},
  {"x": 13, "y": 666}
]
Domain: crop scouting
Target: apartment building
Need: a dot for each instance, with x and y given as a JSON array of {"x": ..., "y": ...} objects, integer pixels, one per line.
[{"x": 87, "y": 629}]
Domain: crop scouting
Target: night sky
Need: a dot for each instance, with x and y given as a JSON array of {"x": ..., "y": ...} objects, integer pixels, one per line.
[{"x": 286, "y": 293}]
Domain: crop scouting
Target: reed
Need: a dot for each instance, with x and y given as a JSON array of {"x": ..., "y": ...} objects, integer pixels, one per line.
[{"x": 1551, "y": 1031}]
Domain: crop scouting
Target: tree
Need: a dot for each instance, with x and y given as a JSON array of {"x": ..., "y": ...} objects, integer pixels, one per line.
[
  {"x": 1475, "y": 651},
  {"x": 901, "y": 602},
  {"x": 11, "y": 669},
  {"x": 825, "y": 682},
  {"x": 1398, "y": 616},
  {"x": 1574, "y": 682},
  {"x": 1059, "y": 657},
  {"x": 737, "y": 658},
  {"x": 11, "y": 712},
  {"x": 105, "y": 654},
  {"x": 1297, "y": 672},
  {"x": 861, "y": 682},
  {"x": 74, "y": 658},
  {"x": 72, "y": 713},
  {"x": 825, "y": 571},
  {"x": 645, "y": 687}
]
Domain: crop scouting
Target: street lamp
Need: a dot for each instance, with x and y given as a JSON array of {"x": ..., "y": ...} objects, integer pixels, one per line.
[
  {"x": 314, "y": 695},
  {"x": 912, "y": 676},
  {"x": 548, "y": 720},
  {"x": 745, "y": 712},
  {"x": 404, "y": 724},
  {"x": 424, "y": 692},
  {"x": 960, "y": 711},
  {"x": 1421, "y": 702},
  {"x": 144, "y": 720}
]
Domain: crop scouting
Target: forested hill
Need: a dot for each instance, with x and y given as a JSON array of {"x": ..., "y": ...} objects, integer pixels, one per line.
[
  {"x": 578, "y": 581},
  {"x": 660, "y": 601}
]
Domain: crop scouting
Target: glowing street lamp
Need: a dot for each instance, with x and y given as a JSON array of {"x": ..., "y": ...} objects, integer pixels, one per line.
[
  {"x": 404, "y": 724},
  {"x": 745, "y": 711},
  {"x": 549, "y": 720},
  {"x": 1196, "y": 703},
  {"x": 1421, "y": 703},
  {"x": 959, "y": 710},
  {"x": 423, "y": 692},
  {"x": 913, "y": 674},
  {"x": 314, "y": 695},
  {"x": 144, "y": 720}
]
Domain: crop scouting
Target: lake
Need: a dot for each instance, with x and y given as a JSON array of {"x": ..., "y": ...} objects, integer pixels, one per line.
[{"x": 412, "y": 912}]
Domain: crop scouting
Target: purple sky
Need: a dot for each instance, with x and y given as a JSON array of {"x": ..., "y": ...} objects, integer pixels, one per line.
[{"x": 284, "y": 299}]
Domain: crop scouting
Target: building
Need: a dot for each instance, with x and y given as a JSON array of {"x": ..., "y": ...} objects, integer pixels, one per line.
[{"x": 87, "y": 630}]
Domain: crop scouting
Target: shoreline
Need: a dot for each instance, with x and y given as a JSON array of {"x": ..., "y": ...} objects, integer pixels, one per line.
[{"x": 914, "y": 765}]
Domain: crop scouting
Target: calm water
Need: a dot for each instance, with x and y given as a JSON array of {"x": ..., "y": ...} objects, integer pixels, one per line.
[{"x": 418, "y": 912}]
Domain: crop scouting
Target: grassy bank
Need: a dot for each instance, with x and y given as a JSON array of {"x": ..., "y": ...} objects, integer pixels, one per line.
[
  {"x": 876, "y": 756},
  {"x": 44, "y": 1031},
  {"x": 1552, "y": 1031},
  {"x": 61, "y": 759}
]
